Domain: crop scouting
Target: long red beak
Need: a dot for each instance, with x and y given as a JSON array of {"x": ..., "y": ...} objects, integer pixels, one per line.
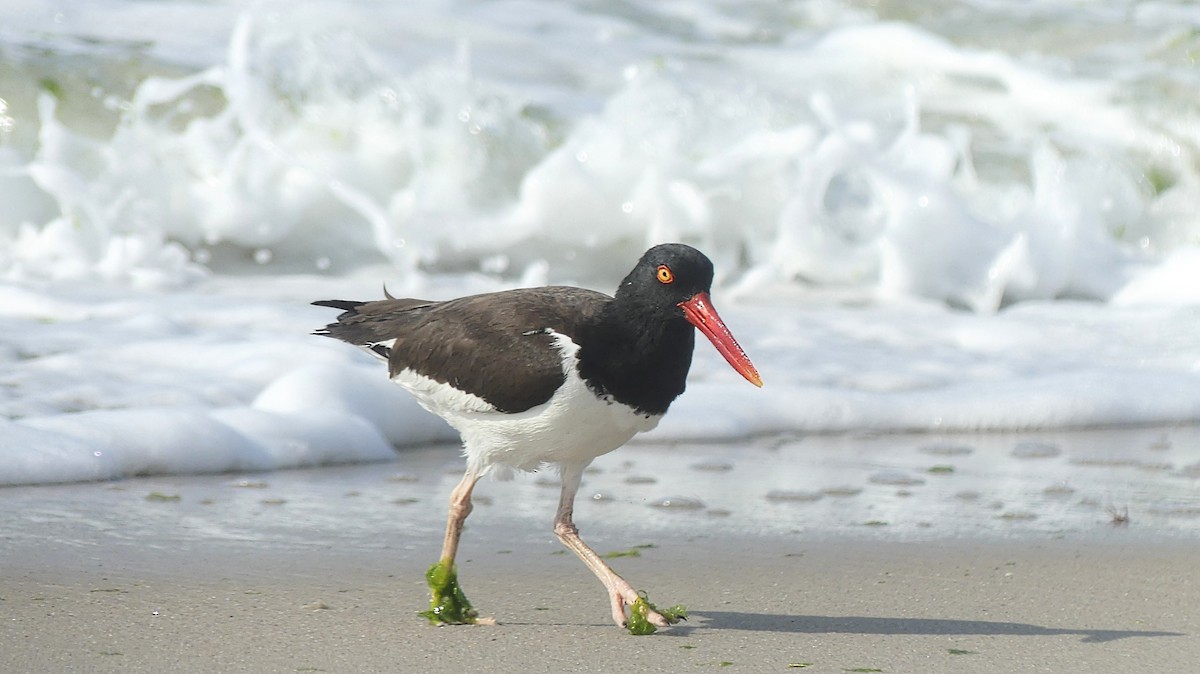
[{"x": 700, "y": 313}]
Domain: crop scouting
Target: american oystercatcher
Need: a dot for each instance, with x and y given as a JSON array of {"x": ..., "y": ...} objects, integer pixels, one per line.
[{"x": 554, "y": 375}]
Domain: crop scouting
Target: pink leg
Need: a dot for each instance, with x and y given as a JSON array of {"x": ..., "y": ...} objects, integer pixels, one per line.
[
  {"x": 447, "y": 603},
  {"x": 460, "y": 507},
  {"x": 620, "y": 592}
]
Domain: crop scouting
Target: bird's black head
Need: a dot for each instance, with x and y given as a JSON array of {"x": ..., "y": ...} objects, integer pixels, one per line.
[
  {"x": 667, "y": 275},
  {"x": 672, "y": 282}
]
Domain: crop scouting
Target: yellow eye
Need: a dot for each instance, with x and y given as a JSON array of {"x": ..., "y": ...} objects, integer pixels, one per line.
[{"x": 664, "y": 274}]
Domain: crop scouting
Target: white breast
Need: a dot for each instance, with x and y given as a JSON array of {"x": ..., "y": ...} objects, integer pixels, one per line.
[{"x": 574, "y": 426}]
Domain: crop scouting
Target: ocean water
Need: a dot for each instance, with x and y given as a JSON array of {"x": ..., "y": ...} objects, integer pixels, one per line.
[{"x": 927, "y": 217}]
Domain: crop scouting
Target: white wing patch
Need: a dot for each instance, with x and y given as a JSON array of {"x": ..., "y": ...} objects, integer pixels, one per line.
[{"x": 381, "y": 350}]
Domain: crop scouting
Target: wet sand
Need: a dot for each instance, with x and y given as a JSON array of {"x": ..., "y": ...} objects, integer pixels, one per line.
[
  {"x": 893, "y": 607},
  {"x": 321, "y": 570}
]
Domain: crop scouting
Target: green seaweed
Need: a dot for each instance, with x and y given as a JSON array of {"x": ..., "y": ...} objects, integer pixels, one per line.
[
  {"x": 635, "y": 551},
  {"x": 1160, "y": 179},
  {"x": 447, "y": 604},
  {"x": 52, "y": 87},
  {"x": 639, "y": 624}
]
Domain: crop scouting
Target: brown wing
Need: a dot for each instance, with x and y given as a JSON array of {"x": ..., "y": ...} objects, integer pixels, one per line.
[{"x": 495, "y": 346}]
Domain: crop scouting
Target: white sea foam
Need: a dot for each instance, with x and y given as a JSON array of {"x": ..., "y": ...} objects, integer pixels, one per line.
[{"x": 859, "y": 178}]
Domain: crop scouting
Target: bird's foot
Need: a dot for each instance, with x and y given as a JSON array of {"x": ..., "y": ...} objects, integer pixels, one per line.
[
  {"x": 447, "y": 604},
  {"x": 644, "y": 617}
]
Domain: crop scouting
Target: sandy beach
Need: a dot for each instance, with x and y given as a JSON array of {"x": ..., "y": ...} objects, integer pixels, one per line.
[
  {"x": 321, "y": 570},
  {"x": 833, "y": 607}
]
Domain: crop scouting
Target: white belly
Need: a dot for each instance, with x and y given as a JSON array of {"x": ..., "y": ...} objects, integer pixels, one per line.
[{"x": 573, "y": 427}]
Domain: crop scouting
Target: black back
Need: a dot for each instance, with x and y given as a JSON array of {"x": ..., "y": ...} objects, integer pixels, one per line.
[
  {"x": 636, "y": 347},
  {"x": 494, "y": 345}
]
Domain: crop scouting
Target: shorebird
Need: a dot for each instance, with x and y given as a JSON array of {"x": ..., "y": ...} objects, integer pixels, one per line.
[{"x": 546, "y": 376}]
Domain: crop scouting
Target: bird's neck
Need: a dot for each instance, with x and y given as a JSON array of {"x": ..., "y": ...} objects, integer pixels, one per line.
[{"x": 639, "y": 359}]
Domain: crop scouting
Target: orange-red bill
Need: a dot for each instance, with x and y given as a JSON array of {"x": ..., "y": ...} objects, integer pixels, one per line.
[{"x": 700, "y": 313}]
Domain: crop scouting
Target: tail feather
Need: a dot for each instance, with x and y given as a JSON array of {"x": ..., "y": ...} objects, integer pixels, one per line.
[
  {"x": 344, "y": 305},
  {"x": 348, "y": 308},
  {"x": 374, "y": 326}
]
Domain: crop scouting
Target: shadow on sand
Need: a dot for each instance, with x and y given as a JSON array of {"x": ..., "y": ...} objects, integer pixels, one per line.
[{"x": 805, "y": 624}]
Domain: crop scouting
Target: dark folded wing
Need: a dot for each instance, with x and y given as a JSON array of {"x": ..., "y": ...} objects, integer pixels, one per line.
[{"x": 496, "y": 346}]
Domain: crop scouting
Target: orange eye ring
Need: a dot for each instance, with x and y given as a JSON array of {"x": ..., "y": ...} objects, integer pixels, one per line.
[{"x": 664, "y": 274}]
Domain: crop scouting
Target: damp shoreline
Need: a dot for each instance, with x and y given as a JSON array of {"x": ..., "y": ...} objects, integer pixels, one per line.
[{"x": 322, "y": 569}]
